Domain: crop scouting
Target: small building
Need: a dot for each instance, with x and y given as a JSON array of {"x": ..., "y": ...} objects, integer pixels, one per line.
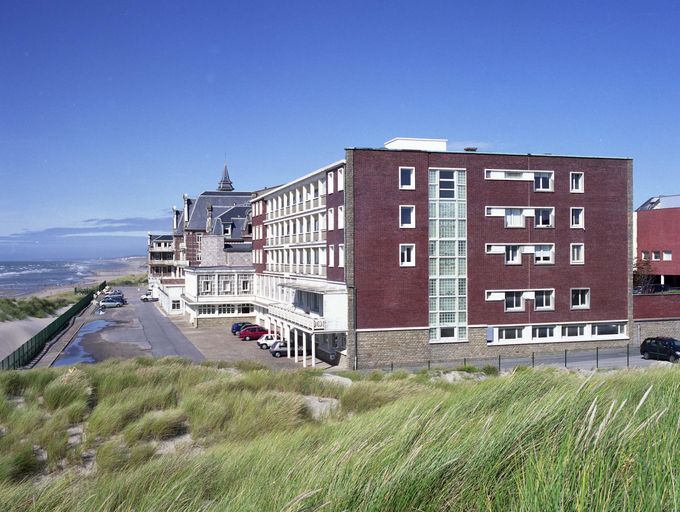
[{"x": 658, "y": 238}]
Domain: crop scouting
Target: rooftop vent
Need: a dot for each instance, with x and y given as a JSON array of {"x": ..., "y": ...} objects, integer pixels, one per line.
[
  {"x": 417, "y": 144},
  {"x": 470, "y": 149}
]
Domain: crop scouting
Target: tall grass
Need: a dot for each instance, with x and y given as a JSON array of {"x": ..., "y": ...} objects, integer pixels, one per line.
[
  {"x": 38, "y": 307},
  {"x": 532, "y": 440}
]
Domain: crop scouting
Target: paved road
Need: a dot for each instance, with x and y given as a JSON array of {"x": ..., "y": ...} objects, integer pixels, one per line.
[{"x": 163, "y": 336}]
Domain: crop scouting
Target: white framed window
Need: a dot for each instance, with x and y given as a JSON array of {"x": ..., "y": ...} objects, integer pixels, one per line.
[
  {"x": 514, "y": 301},
  {"x": 544, "y": 300},
  {"x": 543, "y": 331},
  {"x": 341, "y": 179},
  {"x": 510, "y": 333},
  {"x": 341, "y": 255},
  {"x": 576, "y": 182},
  {"x": 176, "y": 305},
  {"x": 341, "y": 217},
  {"x": 330, "y": 177},
  {"x": 331, "y": 255},
  {"x": 580, "y": 298},
  {"x": 407, "y": 178},
  {"x": 544, "y": 217},
  {"x": 514, "y": 218},
  {"x": 609, "y": 329},
  {"x": 407, "y": 216},
  {"x": 407, "y": 255},
  {"x": 578, "y": 256},
  {"x": 513, "y": 255},
  {"x": 331, "y": 219},
  {"x": 656, "y": 255},
  {"x": 571, "y": 331},
  {"x": 577, "y": 217},
  {"x": 543, "y": 182},
  {"x": 544, "y": 254},
  {"x": 667, "y": 256},
  {"x": 645, "y": 255}
]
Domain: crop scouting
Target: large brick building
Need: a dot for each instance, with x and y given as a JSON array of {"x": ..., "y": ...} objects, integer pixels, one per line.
[{"x": 410, "y": 253}]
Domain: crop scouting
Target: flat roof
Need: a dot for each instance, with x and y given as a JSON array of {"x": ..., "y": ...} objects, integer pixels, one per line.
[{"x": 548, "y": 155}]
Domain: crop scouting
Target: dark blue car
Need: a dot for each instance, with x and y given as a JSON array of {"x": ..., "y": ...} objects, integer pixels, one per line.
[{"x": 235, "y": 328}]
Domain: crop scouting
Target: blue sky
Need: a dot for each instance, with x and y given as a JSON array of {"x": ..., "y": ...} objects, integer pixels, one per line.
[{"x": 113, "y": 110}]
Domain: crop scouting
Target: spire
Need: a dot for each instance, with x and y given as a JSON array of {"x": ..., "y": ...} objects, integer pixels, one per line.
[{"x": 225, "y": 184}]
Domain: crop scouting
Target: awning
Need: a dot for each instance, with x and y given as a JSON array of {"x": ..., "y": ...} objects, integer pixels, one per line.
[{"x": 314, "y": 287}]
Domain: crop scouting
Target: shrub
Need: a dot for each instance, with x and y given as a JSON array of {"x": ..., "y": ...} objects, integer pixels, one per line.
[
  {"x": 467, "y": 368},
  {"x": 364, "y": 396},
  {"x": 399, "y": 375},
  {"x": 249, "y": 366},
  {"x": 20, "y": 464},
  {"x": 111, "y": 456},
  {"x": 375, "y": 376},
  {"x": 490, "y": 370}
]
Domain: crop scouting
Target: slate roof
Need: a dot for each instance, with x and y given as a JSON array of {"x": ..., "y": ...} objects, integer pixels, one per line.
[
  {"x": 161, "y": 238},
  {"x": 221, "y": 203}
]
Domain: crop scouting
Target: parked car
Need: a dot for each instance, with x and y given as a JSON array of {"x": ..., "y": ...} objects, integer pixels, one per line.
[
  {"x": 266, "y": 341},
  {"x": 111, "y": 303},
  {"x": 147, "y": 297},
  {"x": 665, "y": 348},
  {"x": 118, "y": 298},
  {"x": 252, "y": 332},
  {"x": 235, "y": 328},
  {"x": 280, "y": 349}
]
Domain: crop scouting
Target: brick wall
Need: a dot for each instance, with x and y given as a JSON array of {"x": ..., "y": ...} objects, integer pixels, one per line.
[
  {"x": 657, "y": 306},
  {"x": 649, "y": 328}
]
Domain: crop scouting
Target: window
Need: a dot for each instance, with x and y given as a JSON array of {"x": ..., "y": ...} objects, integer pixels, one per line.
[
  {"x": 513, "y": 301},
  {"x": 576, "y": 182},
  {"x": 206, "y": 309},
  {"x": 407, "y": 178},
  {"x": 245, "y": 309},
  {"x": 341, "y": 179},
  {"x": 341, "y": 256},
  {"x": 543, "y": 300},
  {"x": 510, "y": 333},
  {"x": 580, "y": 298},
  {"x": 668, "y": 255},
  {"x": 577, "y": 220},
  {"x": 543, "y": 331},
  {"x": 407, "y": 255},
  {"x": 513, "y": 218},
  {"x": 574, "y": 330},
  {"x": 543, "y": 181},
  {"x": 407, "y": 217},
  {"x": 608, "y": 329},
  {"x": 448, "y": 332},
  {"x": 329, "y": 182},
  {"x": 341, "y": 217},
  {"x": 577, "y": 254},
  {"x": 205, "y": 285},
  {"x": 544, "y": 254},
  {"x": 512, "y": 255},
  {"x": 331, "y": 255},
  {"x": 543, "y": 217},
  {"x": 645, "y": 255},
  {"x": 447, "y": 185},
  {"x": 331, "y": 219},
  {"x": 175, "y": 305},
  {"x": 656, "y": 255}
]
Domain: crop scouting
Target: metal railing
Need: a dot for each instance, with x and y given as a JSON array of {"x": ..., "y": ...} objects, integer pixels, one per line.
[
  {"x": 26, "y": 352},
  {"x": 624, "y": 356}
]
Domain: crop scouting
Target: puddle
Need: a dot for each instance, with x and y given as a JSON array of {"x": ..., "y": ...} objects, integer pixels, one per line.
[{"x": 74, "y": 352}]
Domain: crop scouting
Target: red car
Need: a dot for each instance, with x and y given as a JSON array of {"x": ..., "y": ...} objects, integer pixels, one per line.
[{"x": 252, "y": 332}]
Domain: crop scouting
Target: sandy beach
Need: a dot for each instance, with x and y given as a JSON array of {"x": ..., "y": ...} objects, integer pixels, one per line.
[{"x": 13, "y": 334}]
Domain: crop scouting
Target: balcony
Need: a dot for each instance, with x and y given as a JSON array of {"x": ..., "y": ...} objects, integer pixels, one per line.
[
  {"x": 298, "y": 238},
  {"x": 161, "y": 249},
  {"x": 291, "y": 314},
  {"x": 304, "y": 206},
  {"x": 298, "y": 269}
]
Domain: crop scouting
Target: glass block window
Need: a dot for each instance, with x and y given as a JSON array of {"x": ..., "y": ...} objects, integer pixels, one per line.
[{"x": 448, "y": 253}]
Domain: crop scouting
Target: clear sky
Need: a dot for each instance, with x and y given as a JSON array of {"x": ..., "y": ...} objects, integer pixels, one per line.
[{"x": 109, "y": 111}]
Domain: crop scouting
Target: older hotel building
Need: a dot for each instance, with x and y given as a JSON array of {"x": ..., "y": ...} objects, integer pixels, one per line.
[{"x": 410, "y": 253}]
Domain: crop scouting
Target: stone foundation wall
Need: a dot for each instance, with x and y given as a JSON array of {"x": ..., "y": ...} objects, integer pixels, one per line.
[
  {"x": 648, "y": 328},
  {"x": 203, "y": 322},
  {"x": 402, "y": 348}
]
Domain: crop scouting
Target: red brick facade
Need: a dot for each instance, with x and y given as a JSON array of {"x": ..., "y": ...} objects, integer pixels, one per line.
[
  {"x": 335, "y": 236},
  {"x": 659, "y": 230},
  {"x": 390, "y": 296},
  {"x": 655, "y": 307}
]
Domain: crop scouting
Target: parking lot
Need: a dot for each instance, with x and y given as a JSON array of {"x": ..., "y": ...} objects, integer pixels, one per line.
[{"x": 140, "y": 328}]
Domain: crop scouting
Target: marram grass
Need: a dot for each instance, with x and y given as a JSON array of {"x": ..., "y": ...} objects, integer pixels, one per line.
[{"x": 534, "y": 440}]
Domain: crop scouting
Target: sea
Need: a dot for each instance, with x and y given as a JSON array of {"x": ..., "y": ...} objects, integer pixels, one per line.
[{"x": 26, "y": 277}]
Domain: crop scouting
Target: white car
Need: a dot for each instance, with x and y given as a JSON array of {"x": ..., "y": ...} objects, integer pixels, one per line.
[{"x": 266, "y": 341}]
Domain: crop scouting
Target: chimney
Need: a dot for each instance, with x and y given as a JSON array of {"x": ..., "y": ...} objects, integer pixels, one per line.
[
  {"x": 186, "y": 209},
  {"x": 174, "y": 218},
  {"x": 209, "y": 219},
  {"x": 470, "y": 149}
]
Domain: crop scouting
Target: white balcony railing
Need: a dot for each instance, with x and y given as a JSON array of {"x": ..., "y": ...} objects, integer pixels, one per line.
[{"x": 294, "y": 315}]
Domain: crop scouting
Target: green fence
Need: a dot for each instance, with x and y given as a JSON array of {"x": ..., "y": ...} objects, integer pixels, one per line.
[{"x": 26, "y": 352}]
